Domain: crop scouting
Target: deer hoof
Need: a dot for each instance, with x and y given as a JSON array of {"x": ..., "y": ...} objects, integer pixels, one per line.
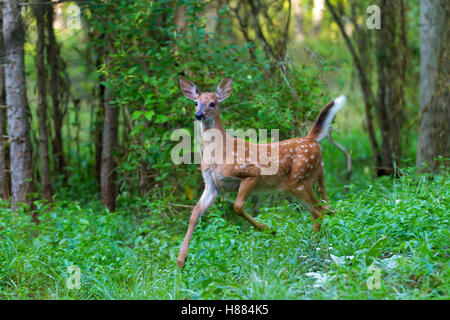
[
  {"x": 316, "y": 227},
  {"x": 181, "y": 261},
  {"x": 262, "y": 226}
]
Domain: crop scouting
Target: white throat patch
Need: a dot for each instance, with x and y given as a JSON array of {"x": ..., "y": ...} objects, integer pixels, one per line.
[{"x": 207, "y": 124}]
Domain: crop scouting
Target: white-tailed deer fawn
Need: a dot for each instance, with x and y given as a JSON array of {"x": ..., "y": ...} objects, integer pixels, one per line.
[{"x": 299, "y": 161}]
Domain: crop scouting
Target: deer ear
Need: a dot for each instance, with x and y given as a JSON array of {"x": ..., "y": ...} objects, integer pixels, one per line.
[
  {"x": 189, "y": 89},
  {"x": 224, "y": 88}
]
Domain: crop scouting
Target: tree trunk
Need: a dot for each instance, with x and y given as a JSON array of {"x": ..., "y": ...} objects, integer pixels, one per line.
[
  {"x": 298, "y": 15},
  {"x": 180, "y": 21},
  {"x": 98, "y": 130},
  {"x": 77, "y": 106},
  {"x": 4, "y": 176},
  {"x": 42, "y": 103},
  {"x": 434, "y": 119},
  {"x": 212, "y": 13},
  {"x": 16, "y": 100},
  {"x": 109, "y": 146},
  {"x": 52, "y": 60},
  {"x": 391, "y": 61},
  {"x": 317, "y": 15},
  {"x": 98, "y": 109}
]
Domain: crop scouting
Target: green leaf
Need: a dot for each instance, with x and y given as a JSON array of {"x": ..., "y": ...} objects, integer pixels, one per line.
[
  {"x": 161, "y": 118},
  {"x": 136, "y": 115},
  {"x": 149, "y": 115},
  {"x": 375, "y": 249},
  {"x": 132, "y": 70}
]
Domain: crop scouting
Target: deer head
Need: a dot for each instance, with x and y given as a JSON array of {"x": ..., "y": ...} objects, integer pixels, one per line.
[{"x": 206, "y": 104}]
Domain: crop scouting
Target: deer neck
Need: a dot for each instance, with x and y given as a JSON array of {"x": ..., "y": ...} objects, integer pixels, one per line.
[
  {"x": 213, "y": 123},
  {"x": 218, "y": 132}
]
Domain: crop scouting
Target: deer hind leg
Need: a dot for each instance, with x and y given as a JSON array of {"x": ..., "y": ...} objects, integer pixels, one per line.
[
  {"x": 246, "y": 187},
  {"x": 321, "y": 186},
  {"x": 205, "y": 202},
  {"x": 323, "y": 192},
  {"x": 306, "y": 194}
]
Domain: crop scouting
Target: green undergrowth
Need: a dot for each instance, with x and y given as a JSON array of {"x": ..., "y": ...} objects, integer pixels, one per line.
[{"x": 397, "y": 227}]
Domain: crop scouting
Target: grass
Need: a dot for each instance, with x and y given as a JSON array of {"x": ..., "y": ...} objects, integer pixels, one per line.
[{"x": 131, "y": 254}]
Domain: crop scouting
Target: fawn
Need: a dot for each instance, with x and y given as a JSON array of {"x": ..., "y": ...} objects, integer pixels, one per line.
[{"x": 299, "y": 161}]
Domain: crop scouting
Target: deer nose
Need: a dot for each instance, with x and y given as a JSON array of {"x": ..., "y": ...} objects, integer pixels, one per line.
[{"x": 199, "y": 116}]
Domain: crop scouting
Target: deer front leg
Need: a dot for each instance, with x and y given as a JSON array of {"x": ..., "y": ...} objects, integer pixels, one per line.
[
  {"x": 205, "y": 202},
  {"x": 246, "y": 187}
]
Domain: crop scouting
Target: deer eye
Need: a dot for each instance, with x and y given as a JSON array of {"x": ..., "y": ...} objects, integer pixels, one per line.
[{"x": 212, "y": 105}]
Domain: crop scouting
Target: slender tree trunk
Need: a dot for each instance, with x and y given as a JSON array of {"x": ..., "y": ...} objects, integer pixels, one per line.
[
  {"x": 317, "y": 15},
  {"x": 391, "y": 61},
  {"x": 298, "y": 14},
  {"x": 434, "y": 117},
  {"x": 180, "y": 15},
  {"x": 16, "y": 100},
  {"x": 212, "y": 12},
  {"x": 125, "y": 131},
  {"x": 109, "y": 146},
  {"x": 180, "y": 23},
  {"x": 4, "y": 176},
  {"x": 98, "y": 131},
  {"x": 99, "y": 111},
  {"x": 77, "y": 104},
  {"x": 52, "y": 60},
  {"x": 42, "y": 103}
]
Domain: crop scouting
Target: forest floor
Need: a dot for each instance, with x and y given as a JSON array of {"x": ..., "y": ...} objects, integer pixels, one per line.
[{"x": 389, "y": 240}]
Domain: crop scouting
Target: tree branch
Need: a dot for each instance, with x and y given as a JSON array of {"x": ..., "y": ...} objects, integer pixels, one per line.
[
  {"x": 267, "y": 47},
  {"x": 243, "y": 27},
  {"x": 347, "y": 155}
]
